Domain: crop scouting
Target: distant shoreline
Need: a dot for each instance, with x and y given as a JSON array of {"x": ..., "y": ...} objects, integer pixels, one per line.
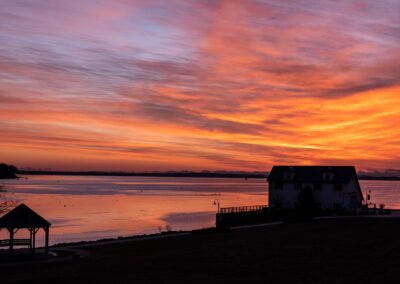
[
  {"x": 149, "y": 174},
  {"x": 255, "y": 175}
]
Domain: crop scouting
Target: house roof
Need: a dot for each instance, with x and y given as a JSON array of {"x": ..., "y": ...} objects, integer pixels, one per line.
[
  {"x": 23, "y": 217},
  {"x": 341, "y": 174}
]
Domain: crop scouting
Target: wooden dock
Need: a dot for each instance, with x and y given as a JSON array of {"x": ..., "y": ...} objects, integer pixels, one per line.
[
  {"x": 238, "y": 209},
  {"x": 241, "y": 215}
]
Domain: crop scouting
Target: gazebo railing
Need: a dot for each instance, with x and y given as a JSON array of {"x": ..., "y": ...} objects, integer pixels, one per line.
[{"x": 16, "y": 242}]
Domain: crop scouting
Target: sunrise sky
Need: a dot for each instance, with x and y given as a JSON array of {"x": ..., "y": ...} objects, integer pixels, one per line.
[{"x": 217, "y": 85}]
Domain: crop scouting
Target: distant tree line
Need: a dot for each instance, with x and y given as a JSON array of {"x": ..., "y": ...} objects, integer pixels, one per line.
[
  {"x": 152, "y": 174},
  {"x": 7, "y": 171}
]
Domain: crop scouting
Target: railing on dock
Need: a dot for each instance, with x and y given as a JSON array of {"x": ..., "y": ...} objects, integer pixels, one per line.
[{"x": 239, "y": 209}]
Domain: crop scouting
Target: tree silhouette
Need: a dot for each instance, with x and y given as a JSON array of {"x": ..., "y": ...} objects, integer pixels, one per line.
[{"x": 7, "y": 171}]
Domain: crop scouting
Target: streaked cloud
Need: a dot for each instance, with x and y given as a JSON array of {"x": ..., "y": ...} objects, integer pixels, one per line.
[{"x": 142, "y": 85}]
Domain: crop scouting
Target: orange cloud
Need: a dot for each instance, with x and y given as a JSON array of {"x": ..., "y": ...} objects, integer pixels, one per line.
[{"x": 237, "y": 85}]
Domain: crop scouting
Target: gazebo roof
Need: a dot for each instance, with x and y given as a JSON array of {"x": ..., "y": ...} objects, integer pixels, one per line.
[{"x": 23, "y": 217}]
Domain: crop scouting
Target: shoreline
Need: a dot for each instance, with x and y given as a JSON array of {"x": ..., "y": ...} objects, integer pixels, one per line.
[
  {"x": 179, "y": 174},
  {"x": 212, "y": 230},
  {"x": 306, "y": 252},
  {"x": 117, "y": 239},
  {"x": 150, "y": 174}
]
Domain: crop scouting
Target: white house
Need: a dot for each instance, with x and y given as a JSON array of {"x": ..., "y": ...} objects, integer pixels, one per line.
[{"x": 333, "y": 187}]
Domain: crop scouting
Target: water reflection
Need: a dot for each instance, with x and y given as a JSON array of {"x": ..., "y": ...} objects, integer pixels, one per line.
[{"x": 87, "y": 208}]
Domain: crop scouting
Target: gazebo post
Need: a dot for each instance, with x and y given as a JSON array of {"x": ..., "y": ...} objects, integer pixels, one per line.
[
  {"x": 11, "y": 230},
  {"x": 30, "y": 238},
  {"x": 34, "y": 241},
  {"x": 46, "y": 229}
]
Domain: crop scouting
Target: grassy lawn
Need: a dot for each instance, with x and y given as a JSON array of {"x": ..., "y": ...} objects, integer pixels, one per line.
[{"x": 326, "y": 251}]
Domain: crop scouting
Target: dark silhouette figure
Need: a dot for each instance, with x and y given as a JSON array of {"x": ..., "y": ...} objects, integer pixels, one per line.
[
  {"x": 306, "y": 202},
  {"x": 7, "y": 171}
]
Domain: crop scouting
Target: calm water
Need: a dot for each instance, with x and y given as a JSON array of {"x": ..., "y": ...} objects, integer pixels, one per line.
[{"x": 88, "y": 208}]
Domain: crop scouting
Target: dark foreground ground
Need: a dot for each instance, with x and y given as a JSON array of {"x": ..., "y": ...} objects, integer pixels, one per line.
[{"x": 328, "y": 251}]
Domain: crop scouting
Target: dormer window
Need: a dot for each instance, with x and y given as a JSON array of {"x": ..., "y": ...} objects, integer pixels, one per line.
[
  {"x": 288, "y": 176},
  {"x": 328, "y": 176}
]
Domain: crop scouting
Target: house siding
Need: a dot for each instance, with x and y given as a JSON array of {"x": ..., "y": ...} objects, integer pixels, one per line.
[{"x": 326, "y": 197}]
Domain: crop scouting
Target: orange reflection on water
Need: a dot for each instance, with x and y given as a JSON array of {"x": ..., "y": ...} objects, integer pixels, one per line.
[
  {"x": 102, "y": 210},
  {"x": 89, "y": 207}
]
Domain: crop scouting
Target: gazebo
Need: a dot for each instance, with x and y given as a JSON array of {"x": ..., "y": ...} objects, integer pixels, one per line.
[{"x": 22, "y": 217}]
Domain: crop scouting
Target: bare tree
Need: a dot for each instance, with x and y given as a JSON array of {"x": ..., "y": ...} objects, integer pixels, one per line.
[
  {"x": 5, "y": 204},
  {"x": 6, "y": 172}
]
